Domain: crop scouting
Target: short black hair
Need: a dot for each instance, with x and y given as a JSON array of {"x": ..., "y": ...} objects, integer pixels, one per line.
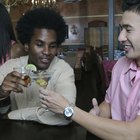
[
  {"x": 131, "y": 5},
  {"x": 40, "y": 18}
]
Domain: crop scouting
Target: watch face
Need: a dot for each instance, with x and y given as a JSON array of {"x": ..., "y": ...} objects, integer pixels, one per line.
[{"x": 68, "y": 112}]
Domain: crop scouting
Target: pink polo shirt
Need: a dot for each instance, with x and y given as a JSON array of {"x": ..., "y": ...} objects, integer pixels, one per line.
[{"x": 124, "y": 91}]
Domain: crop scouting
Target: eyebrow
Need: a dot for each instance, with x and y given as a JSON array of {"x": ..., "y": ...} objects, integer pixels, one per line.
[
  {"x": 125, "y": 26},
  {"x": 39, "y": 40},
  {"x": 43, "y": 42}
]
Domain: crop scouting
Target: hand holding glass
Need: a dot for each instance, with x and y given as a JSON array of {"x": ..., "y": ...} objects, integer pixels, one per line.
[{"x": 24, "y": 74}]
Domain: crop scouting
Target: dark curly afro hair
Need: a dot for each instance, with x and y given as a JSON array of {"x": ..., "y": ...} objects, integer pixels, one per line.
[{"x": 40, "y": 18}]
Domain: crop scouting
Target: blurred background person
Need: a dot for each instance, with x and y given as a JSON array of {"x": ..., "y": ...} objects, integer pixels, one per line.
[{"x": 7, "y": 36}]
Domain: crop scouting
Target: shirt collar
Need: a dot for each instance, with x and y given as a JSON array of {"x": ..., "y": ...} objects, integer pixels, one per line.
[{"x": 132, "y": 67}]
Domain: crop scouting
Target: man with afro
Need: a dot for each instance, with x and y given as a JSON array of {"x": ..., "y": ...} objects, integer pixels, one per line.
[{"x": 41, "y": 31}]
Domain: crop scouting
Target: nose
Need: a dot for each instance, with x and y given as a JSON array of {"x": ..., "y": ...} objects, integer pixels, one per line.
[
  {"x": 122, "y": 36},
  {"x": 46, "y": 49}
]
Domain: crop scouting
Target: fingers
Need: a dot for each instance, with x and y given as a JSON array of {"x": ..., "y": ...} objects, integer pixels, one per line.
[
  {"x": 43, "y": 98},
  {"x": 45, "y": 91},
  {"x": 15, "y": 77},
  {"x": 94, "y": 102},
  {"x": 92, "y": 111},
  {"x": 95, "y": 110},
  {"x": 53, "y": 101},
  {"x": 17, "y": 74},
  {"x": 7, "y": 87},
  {"x": 12, "y": 82},
  {"x": 44, "y": 102},
  {"x": 44, "y": 106}
]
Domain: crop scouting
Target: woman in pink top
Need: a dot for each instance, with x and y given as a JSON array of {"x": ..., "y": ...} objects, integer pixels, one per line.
[{"x": 7, "y": 36}]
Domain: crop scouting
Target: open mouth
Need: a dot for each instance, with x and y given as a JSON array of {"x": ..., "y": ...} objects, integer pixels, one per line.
[{"x": 127, "y": 48}]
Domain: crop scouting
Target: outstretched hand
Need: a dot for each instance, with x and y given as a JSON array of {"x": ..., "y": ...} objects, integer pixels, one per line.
[
  {"x": 95, "y": 110},
  {"x": 53, "y": 101}
]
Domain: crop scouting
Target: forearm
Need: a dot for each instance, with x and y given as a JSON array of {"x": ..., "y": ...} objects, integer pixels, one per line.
[{"x": 104, "y": 128}]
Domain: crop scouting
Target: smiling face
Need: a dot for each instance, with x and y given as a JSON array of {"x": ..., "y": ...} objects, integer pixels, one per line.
[
  {"x": 42, "y": 48},
  {"x": 130, "y": 35}
]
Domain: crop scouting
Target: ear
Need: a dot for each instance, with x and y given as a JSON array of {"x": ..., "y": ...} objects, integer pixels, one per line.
[{"x": 26, "y": 47}]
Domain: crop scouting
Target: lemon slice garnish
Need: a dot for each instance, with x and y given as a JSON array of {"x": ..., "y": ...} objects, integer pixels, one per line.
[
  {"x": 41, "y": 82},
  {"x": 31, "y": 67}
]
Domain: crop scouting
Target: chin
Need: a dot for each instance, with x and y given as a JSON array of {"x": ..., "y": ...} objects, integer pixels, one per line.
[
  {"x": 43, "y": 67},
  {"x": 131, "y": 57}
]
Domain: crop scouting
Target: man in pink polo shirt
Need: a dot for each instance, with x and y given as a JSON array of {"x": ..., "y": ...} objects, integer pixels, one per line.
[{"x": 118, "y": 116}]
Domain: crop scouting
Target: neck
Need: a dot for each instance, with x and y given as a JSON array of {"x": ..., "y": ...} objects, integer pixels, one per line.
[{"x": 138, "y": 63}]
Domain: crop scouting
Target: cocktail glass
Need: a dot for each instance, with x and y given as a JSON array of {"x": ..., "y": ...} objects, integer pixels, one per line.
[{"x": 41, "y": 77}]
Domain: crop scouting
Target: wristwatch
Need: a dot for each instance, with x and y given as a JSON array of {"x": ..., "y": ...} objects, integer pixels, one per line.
[{"x": 68, "y": 112}]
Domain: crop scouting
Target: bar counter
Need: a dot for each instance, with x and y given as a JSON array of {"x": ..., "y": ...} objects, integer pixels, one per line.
[{"x": 29, "y": 130}]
